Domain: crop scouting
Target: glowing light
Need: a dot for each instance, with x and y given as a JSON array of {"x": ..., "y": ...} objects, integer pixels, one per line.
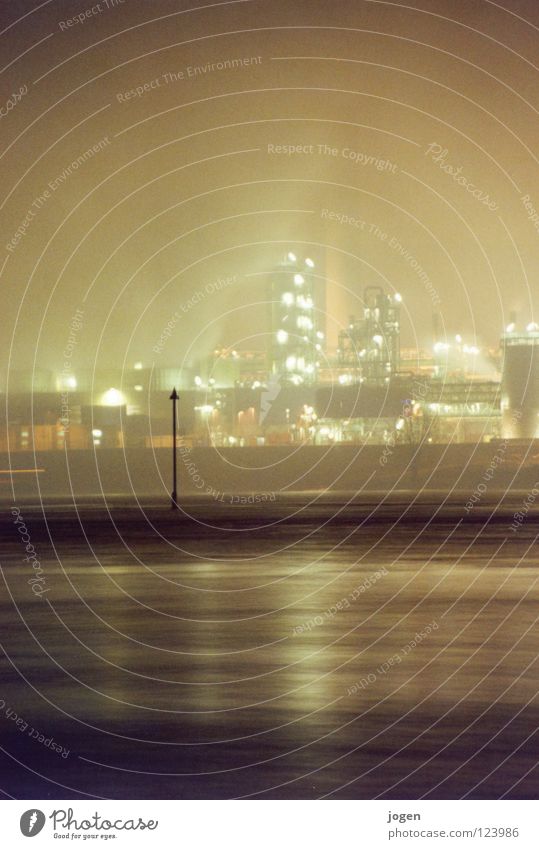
[
  {"x": 305, "y": 303},
  {"x": 291, "y": 363},
  {"x": 400, "y": 424},
  {"x": 510, "y": 328},
  {"x": 291, "y": 257},
  {"x": 282, "y": 337},
  {"x": 319, "y": 334},
  {"x": 97, "y": 432},
  {"x": 532, "y": 327},
  {"x": 378, "y": 340},
  {"x": 288, "y": 299},
  {"x": 299, "y": 279},
  {"x": 198, "y": 381},
  {"x": 113, "y": 398},
  {"x": 397, "y": 297},
  {"x": 138, "y": 366},
  {"x": 71, "y": 382},
  {"x": 309, "y": 263},
  {"x": 440, "y": 346}
]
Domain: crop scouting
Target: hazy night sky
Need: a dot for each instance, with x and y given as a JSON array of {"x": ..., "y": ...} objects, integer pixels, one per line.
[{"x": 184, "y": 190}]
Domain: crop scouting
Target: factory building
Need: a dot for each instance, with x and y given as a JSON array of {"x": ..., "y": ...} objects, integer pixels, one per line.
[{"x": 520, "y": 383}]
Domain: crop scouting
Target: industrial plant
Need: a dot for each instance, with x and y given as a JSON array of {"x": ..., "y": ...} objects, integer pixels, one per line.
[{"x": 296, "y": 389}]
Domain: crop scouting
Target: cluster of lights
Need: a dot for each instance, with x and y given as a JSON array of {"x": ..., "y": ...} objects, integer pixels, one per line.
[
  {"x": 291, "y": 257},
  {"x": 304, "y": 323},
  {"x": 300, "y": 325},
  {"x": 532, "y": 327},
  {"x": 443, "y": 347}
]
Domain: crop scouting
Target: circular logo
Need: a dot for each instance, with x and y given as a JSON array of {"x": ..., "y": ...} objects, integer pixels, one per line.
[{"x": 32, "y": 822}]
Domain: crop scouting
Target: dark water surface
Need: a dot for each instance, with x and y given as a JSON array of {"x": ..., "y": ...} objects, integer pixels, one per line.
[{"x": 277, "y": 650}]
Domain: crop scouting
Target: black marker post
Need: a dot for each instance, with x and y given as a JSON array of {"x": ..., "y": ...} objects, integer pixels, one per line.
[{"x": 174, "y": 497}]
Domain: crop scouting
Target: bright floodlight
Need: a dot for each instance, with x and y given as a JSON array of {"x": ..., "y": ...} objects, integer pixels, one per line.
[
  {"x": 198, "y": 381},
  {"x": 299, "y": 279},
  {"x": 113, "y": 398},
  {"x": 288, "y": 299},
  {"x": 71, "y": 382},
  {"x": 309, "y": 263},
  {"x": 532, "y": 326},
  {"x": 282, "y": 337},
  {"x": 291, "y": 257},
  {"x": 398, "y": 297}
]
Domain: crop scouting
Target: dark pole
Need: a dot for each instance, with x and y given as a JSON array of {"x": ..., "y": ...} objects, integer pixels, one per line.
[{"x": 174, "y": 496}]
